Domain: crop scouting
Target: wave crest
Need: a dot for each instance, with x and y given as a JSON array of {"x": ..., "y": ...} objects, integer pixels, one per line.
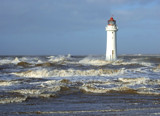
[{"x": 68, "y": 73}]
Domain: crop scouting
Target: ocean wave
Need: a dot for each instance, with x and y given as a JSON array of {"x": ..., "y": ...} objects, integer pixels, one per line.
[
  {"x": 54, "y": 88},
  {"x": 156, "y": 69},
  {"x": 93, "y": 61},
  {"x": 41, "y": 76},
  {"x": 68, "y": 73},
  {"x": 139, "y": 80},
  {"x": 132, "y": 63},
  {"x": 9, "y": 61},
  {"x": 90, "y": 89},
  {"x": 126, "y": 86},
  {"x": 16, "y": 60},
  {"x": 40, "y": 89},
  {"x": 102, "y": 62},
  {"x": 12, "y": 100},
  {"x": 61, "y": 58},
  {"x": 8, "y": 97},
  {"x": 89, "y": 61},
  {"x": 38, "y": 92},
  {"x": 7, "y": 83}
]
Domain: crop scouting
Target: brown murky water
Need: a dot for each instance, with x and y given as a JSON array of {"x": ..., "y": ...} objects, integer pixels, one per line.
[{"x": 79, "y": 85}]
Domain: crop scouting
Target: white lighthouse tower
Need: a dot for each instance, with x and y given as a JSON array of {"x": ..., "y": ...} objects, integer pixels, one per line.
[{"x": 111, "y": 49}]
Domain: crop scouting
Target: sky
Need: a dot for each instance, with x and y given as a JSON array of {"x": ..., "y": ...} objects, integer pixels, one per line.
[{"x": 77, "y": 27}]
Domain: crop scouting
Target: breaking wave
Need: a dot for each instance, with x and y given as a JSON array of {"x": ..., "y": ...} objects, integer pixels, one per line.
[
  {"x": 68, "y": 73},
  {"x": 139, "y": 85},
  {"x": 11, "y": 97},
  {"x": 156, "y": 69},
  {"x": 93, "y": 61},
  {"x": 25, "y": 77},
  {"x": 51, "y": 88}
]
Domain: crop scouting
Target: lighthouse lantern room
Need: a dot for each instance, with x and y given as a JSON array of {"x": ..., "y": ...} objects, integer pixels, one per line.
[{"x": 111, "y": 49}]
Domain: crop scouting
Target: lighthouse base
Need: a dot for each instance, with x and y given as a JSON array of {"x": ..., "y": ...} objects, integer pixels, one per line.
[{"x": 111, "y": 57}]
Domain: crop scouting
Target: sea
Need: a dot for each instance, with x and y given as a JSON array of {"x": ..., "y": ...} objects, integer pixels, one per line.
[{"x": 68, "y": 85}]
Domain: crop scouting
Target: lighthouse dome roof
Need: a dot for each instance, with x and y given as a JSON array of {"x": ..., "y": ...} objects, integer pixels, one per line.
[{"x": 111, "y": 21}]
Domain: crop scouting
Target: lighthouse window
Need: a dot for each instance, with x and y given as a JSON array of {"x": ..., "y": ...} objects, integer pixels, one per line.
[{"x": 111, "y": 22}]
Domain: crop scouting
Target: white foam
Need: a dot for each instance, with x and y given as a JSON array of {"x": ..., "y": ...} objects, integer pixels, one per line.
[
  {"x": 28, "y": 91},
  {"x": 137, "y": 71},
  {"x": 93, "y": 61},
  {"x": 156, "y": 69},
  {"x": 134, "y": 81},
  {"x": 7, "y": 83},
  {"x": 31, "y": 60},
  {"x": 9, "y": 61},
  {"x": 100, "y": 62},
  {"x": 139, "y": 85},
  {"x": 12, "y": 99},
  {"x": 49, "y": 83},
  {"x": 39, "y": 62},
  {"x": 148, "y": 91},
  {"x": 54, "y": 59},
  {"x": 141, "y": 62},
  {"x": 37, "y": 92},
  {"x": 68, "y": 73},
  {"x": 4, "y": 61},
  {"x": 16, "y": 60},
  {"x": 93, "y": 89}
]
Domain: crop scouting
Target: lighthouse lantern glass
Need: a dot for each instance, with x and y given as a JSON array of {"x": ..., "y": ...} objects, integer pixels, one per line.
[{"x": 110, "y": 22}]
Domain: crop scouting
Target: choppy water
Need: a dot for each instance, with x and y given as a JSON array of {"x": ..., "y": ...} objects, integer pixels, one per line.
[{"x": 79, "y": 85}]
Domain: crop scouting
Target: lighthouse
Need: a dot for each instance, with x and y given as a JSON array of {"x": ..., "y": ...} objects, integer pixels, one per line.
[{"x": 111, "y": 49}]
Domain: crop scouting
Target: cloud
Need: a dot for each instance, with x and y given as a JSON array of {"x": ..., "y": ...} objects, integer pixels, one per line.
[
  {"x": 43, "y": 16},
  {"x": 62, "y": 19},
  {"x": 54, "y": 16}
]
